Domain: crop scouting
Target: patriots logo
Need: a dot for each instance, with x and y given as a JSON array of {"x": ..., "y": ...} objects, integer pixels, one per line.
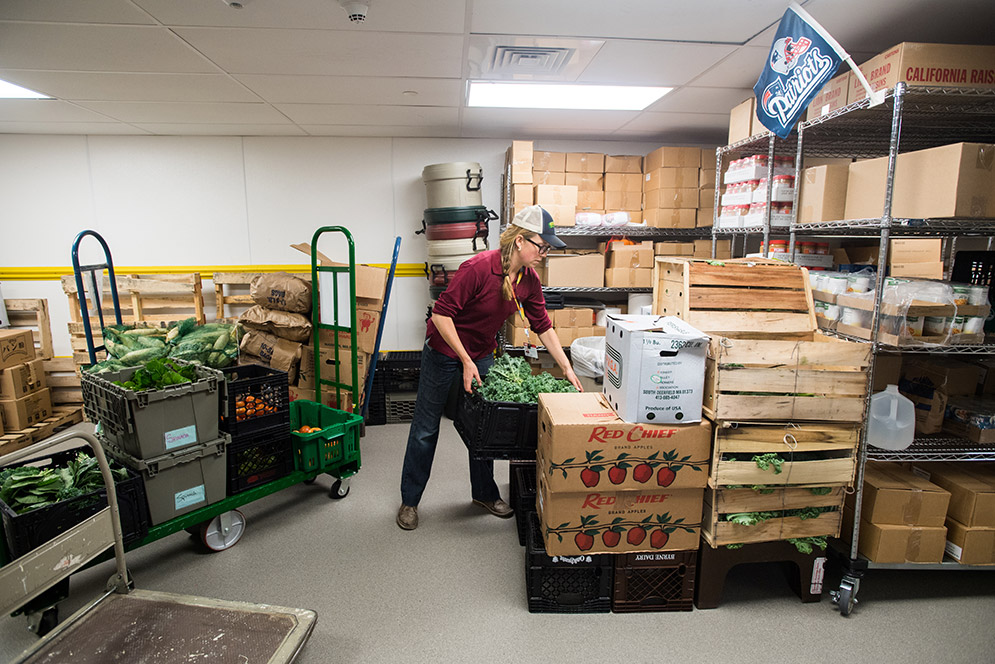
[{"x": 785, "y": 52}]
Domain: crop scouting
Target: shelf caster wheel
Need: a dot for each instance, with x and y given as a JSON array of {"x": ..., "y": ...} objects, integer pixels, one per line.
[
  {"x": 223, "y": 531},
  {"x": 846, "y": 597},
  {"x": 339, "y": 490},
  {"x": 43, "y": 622}
]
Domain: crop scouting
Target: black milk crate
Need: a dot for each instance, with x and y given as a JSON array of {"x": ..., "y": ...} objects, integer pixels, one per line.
[
  {"x": 259, "y": 457},
  {"x": 26, "y": 531},
  {"x": 377, "y": 413},
  {"x": 254, "y": 384},
  {"x": 660, "y": 581},
  {"x": 400, "y": 370},
  {"x": 497, "y": 429},
  {"x": 522, "y": 480},
  {"x": 574, "y": 584},
  {"x": 400, "y": 407}
]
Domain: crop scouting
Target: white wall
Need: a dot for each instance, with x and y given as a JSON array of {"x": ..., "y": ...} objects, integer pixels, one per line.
[{"x": 161, "y": 201}]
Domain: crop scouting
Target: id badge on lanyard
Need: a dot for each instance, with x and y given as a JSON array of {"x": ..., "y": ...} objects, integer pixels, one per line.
[{"x": 530, "y": 349}]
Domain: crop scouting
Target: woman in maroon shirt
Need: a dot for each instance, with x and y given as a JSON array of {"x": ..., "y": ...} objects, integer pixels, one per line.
[{"x": 461, "y": 341}]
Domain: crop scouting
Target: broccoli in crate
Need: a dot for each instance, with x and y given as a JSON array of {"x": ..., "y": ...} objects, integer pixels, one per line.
[{"x": 510, "y": 379}]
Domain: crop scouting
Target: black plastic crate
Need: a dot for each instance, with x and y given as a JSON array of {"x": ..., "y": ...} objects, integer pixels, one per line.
[
  {"x": 662, "y": 581},
  {"x": 400, "y": 406},
  {"x": 252, "y": 384},
  {"x": 399, "y": 371},
  {"x": 259, "y": 457},
  {"x": 27, "y": 531},
  {"x": 522, "y": 480},
  {"x": 377, "y": 412},
  {"x": 497, "y": 429},
  {"x": 575, "y": 584}
]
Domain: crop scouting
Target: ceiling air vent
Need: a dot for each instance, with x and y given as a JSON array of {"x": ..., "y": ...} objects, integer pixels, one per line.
[{"x": 529, "y": 60}]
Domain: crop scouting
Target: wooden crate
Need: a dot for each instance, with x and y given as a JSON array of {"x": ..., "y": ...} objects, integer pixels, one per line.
[
  {"x": 32, "y": 314},
  {"x": 723, "y": 501},
  {"x": 62, "y": 418},
  {"x": 811, "y": 378},
  {"x": 813, "y": 453},
  {"x": 745, "y": 298},
  {"x": 232, "y": 282}
]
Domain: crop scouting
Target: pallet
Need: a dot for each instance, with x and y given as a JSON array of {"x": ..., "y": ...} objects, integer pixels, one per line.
[
  {"x": 813, "y": 453},
  {"x": 743, "y": 298},
  {"x": 63, "y": 418},
  {"x": 810, "y": 378},
  {"x": 32, "y": 314},
  {"x": 235, "y": 281},
  {"x": 62, "y": 376},
  {"x": 721, "y": 502}
]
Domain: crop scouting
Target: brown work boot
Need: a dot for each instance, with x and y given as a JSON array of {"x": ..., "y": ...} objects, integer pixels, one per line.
[
  {"x": 496, "y": 507},
  {"x": 407, "y": 517}
]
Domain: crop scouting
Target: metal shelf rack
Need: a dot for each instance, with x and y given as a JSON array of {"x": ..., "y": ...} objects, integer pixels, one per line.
[{"x": 631, "y": 231}]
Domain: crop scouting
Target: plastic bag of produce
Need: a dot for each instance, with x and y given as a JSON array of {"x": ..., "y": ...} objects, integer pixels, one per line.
[
  {"x": 284, "y": 324},
  {"x": 588, "y": 356},
  {"x": 281, "y": 291}
]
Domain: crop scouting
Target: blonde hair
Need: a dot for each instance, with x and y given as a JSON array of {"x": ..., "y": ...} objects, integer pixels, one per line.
[{"x": 507, "y": 246}]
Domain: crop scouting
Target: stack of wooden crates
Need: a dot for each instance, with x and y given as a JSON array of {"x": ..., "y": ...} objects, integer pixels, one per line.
[{"x": 787, "y": 402}]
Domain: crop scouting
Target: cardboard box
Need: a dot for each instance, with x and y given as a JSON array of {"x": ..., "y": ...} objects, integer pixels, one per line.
[
  {"x": 917, "y": 270},
  {"x": 19, "y": 381},
  {"x": 563, "y": 215},
  {"x": 585, "y": 181},
  {"x": 575, "y": 523},
  {"x": 704, "y": 217},
  {"x": 986, "y": 381},
  {"x": 865, "y": 189},
  {"x": 519, "y": 158},
  {"x": 972, "y": 491},
  {"x": 305, "y": 374},
  {"x": 631, "y": 255},
  {"x": 371, "y": 282},
  {"x": 884, "y": 543},
  {"x": 328, "y": 397},
  {"x": 516, "y": 336},
  {"x": 586, "y": 331},
  {"x": 743, "y": 120},
  {"x": 706, "y": 177},
  {"x": 632, "y": 182},
  {"x": 566, "y": 335},
  {"x": 673, "y": 248},
  {"x": 590, "y": 200},
  {"x": 16, "y": 347},
  {"x": 27, "y": 411},
  {"x": 670, "y": 217},
  {"x": 667, "y": 197},
  {"x": 970, "y": 418},
  {"x": 584, "y": 444},
  {"x": 627, "y": 277},
  {"x": 823, "y": 193},
  {"x": 675, "y": 157},
  {"x": 970, "y": 546},
  {"x": 549, "y": 161},
  {"x": 934, "y": 65},
  {"x": 706, "y": 198},
  {"x": 368, "y": 322},
  {"x": 572, "y": 317},
  {"x": 894, "y": 495},
  {"x": 575, "y": 270},
  {"x": 654, "y": 369},
  {"x": 672, "y": 178},
  {"x": 623, "y": 200},
  {"x": 915, "y": 250},
  {"x": 585, "y": 162},
  {"x": 833, "y": 95},
  {"x": 551, "y": 194},
  {"x": 523, "y": 193},
  {"x": 549, "y": 177},
  {"x": 624, "y": 164},
  {"x": 722, "y": 247}
]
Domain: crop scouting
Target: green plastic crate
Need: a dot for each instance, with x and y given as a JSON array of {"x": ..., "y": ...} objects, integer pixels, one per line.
[{"x": 334, "y": 449}]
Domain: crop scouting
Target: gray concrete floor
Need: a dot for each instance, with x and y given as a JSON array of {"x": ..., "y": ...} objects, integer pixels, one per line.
[{"x": 454, "y": 589}]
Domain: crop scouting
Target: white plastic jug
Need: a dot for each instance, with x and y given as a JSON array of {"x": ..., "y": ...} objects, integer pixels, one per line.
[{"x": 892, "y": 421}]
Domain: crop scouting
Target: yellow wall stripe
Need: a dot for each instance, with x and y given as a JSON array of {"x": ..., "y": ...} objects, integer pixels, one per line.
[{"x": 54, "y": 273}]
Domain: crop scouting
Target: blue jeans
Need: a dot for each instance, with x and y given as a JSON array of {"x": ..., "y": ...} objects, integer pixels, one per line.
[{"x": 438, "y": 372}]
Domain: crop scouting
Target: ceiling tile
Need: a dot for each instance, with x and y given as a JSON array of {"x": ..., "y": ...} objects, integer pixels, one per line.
[
  {"x": 75, "y": 47},
  {"x": 654, "y": 122},
  {"x": 382, "y": 15},
  {"x": 703, "y": 21},
  {"x": 439, "y": 131},
  {"x": 207, "y": 129},
  {"x": 631, "y": 62},
  {"x": 67, "y": 128},
  {"x": 314, "y": 114},
  {"x": 252, "y": 51},
  {"x": 739, "y": 70},
  {"x": 192, "y": 112},
  {"x": 130, "y": 87},
  {"x": 700, "y": 100},
  {"x": 46, "y": 110},
  {"x": 496, "y": 122},
  {"x": 355, "y": 89},
  {"x": 91, "y": 11}
]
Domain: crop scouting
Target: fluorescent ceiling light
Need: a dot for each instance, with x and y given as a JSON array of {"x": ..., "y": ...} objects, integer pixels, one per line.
[
  {"x": 562, "y": 96},
  {"x": 11, "y": 91}
]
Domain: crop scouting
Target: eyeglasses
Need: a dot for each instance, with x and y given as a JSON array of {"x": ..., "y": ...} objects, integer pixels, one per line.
[{"x": 543, "y": 248}]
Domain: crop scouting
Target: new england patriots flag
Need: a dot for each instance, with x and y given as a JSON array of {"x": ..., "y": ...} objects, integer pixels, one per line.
[{"x": 802, "y": 59}]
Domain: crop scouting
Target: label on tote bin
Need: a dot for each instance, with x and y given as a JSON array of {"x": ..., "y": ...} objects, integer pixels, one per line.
[
  {"x": 180, "y": 437},
  {"x": 189, "y": 497}
]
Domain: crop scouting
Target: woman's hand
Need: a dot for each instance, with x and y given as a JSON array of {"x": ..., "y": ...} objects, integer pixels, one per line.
[
  {"x": 470, "y": 374},
  {"x": 572, "y": 377}
]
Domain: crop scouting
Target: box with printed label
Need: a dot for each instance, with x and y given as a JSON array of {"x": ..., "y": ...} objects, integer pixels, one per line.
[
  {"x": 915, "y": 250},
  {"x": 549, "y": 161},
  {"x": 623, "y": 164},
  {"x": 624, "y": 182},
  {"x": 575, "y": 270},
  {"x": 584, "y": 444},
  {"x": 16, "y": 347},
  {"x": 654, "y": 368},
  {"x": 970, "y": 546},
  {"x": 896, "y": 496},
  {"x": 823, "y": 193},
  {"x": 585, "y": 162},
  {"x": 631, "y": 255},
  {"x": 671, "y": 178},
  {"x": 666, "y": 197},
  {"x": 670, "y": 217},
  {"x": 628, "y": 277},
  {"x": 971, "y": 487},
  {"x": 833, "y": 95},
  {"x": 609, "y": 521},
  {"x": 932, "y": 65},
  {"x": 23, "y": 379},
  {"x": 27, "y": 411}
]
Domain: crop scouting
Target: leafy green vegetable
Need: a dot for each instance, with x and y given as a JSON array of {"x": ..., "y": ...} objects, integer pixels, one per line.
[
  {"x": 510, "y": 379},
  {"x": 821, "y": 490},
  {"x": 755, "y": 518},
  {"x": 765, "y": 461},
  {"x": 28, "y": 487},
  {"x": 806, "y": 544},
  {"x": 158, "y": 374}
]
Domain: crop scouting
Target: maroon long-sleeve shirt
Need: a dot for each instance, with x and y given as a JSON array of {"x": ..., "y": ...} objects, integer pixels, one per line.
[{"x": 475, "y": 303}]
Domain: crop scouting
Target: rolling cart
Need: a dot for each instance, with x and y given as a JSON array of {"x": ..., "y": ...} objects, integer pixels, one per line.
[{"x": 141, "y": 625}]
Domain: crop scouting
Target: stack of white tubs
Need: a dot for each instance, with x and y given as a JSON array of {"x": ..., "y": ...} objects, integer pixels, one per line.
[{"x": 455, "y": 223}]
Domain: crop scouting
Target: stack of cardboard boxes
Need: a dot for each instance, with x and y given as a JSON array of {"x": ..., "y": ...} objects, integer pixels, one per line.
[
  {"x": 24, "y": 398},
  {"x": 672, "y": 192},
  {"x": 623, "y": 185},
  {"x": 970, "y": 517},
  {"x": 570, "y": 323}
]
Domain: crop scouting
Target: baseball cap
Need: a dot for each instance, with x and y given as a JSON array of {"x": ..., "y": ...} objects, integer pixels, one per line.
[{"x": 534, "y": 218}]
